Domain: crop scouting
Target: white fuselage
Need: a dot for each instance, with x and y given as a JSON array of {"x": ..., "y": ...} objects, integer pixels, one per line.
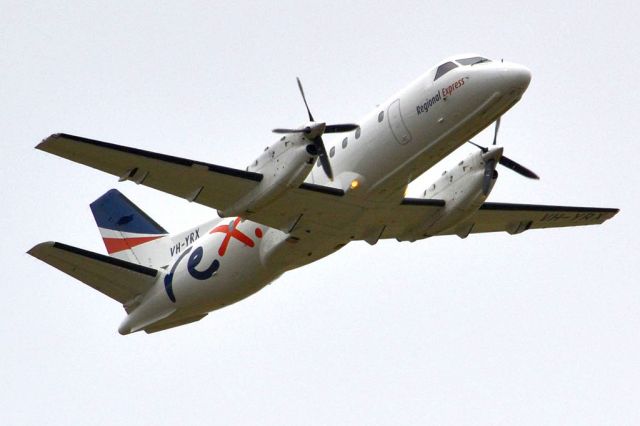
[{"x": 395, "y": 143}]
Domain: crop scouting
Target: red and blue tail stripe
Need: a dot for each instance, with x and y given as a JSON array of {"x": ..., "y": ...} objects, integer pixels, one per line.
[{"x": 122, "y": 224}]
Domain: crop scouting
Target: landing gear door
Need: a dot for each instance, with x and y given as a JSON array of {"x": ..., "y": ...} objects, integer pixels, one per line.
[{"x": 396, "y": 123}]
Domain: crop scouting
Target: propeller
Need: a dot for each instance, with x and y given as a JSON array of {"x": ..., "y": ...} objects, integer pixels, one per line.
[
  {"x": 490, "y": 164},
  {"x": 518, "y": 168},
  {"x": 304, "y": 98},
  {"x": 495, "y": 131},
  {"x": 315, "y": 131}
]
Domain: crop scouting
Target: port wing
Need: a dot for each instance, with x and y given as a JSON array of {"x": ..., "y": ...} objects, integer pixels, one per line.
[{"x": 120, "y": 280}]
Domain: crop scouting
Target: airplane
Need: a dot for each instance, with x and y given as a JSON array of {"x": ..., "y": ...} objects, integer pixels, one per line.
[{"x": 299, "y": 201}]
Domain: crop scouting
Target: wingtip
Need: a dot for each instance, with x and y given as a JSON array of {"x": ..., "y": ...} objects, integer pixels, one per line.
[
  {"x": 42, "y": 145},
  {"x": 33, "y": 251}
]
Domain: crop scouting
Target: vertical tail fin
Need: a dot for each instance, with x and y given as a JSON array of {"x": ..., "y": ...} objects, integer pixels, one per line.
[{"x": 128, "y": 232}]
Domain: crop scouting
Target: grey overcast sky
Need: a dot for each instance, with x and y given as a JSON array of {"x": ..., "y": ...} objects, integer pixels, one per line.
[{"x": 540, "y": 328}]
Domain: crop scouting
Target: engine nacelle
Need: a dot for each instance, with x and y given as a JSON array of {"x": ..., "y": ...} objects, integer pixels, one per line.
[
  {"x": 461, "y": 189},
  {"x": 285, "y": 165}
]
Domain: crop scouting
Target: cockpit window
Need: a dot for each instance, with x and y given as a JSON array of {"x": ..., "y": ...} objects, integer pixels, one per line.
[
  {"x": 472, "y": 61},
  {"x": 443, "y": 69}
]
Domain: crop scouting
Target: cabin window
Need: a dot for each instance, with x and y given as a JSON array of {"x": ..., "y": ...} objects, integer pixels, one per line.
[
  {"x": 344, "y": 143},
  {"x": 332, "y": 152},
  {"x": 472, "y": 61},
  {"x": 357, "y": 132},
  {"x": 380, "y": 116},
  {"x": 443, "y": 69}
]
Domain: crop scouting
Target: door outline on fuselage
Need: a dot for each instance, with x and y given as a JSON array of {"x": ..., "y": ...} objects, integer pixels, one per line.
[{"x": 396, "y": 124}]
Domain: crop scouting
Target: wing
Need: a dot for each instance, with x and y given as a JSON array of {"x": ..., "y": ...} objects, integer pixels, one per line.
[
  {"x": 517, "y": 218},
  {"x": 396, "y": 221},
  {"x": 118, "y": 279},
  {"x": 410, "y": 218},
  {"x": 207, "y": 184}
]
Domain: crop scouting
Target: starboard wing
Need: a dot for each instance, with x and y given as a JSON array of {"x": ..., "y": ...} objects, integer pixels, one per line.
[
  {"x": 517, "y": 218},
  {"x": 413, "y": 214}
]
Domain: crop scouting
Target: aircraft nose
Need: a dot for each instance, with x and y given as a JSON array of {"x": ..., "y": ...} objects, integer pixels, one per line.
[{"x": 518, "y": 76}]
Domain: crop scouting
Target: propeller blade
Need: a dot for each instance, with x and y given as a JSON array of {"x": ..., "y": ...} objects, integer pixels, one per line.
[
  {"x": 518, "y": 168},
  {"x": 324, "y": 158},
  {"x": 304, "y": 99},
  {"x": 489, "y": 168},
  {"x": 495, "y": 133},
  {"x": 285, "y": 131},
  {"x": 482, "y": 148},
  {"x": 340, "y": 128}
]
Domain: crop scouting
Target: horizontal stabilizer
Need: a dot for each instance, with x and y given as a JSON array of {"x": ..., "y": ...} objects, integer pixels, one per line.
[{"x": 118, "y": 279}]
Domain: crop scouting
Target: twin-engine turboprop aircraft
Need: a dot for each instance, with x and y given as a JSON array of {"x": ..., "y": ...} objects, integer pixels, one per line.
[{"x": 299, "y": 201}]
